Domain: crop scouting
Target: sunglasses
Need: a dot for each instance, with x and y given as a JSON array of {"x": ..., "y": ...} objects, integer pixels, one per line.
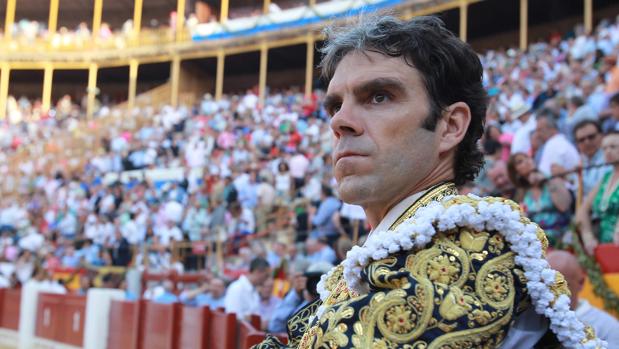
[{"x": 587, "y": 138}]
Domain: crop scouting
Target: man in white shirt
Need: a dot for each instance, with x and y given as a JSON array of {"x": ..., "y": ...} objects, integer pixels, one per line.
[
  {"x": 522, "y": 138},
  {"x": 605, "y": 325},
  {"x": 169, "y": 232},
  {"x": 558, "y": 154},
  {"x": 298, "y": 168},
  {"x": 242, "y": 297}
]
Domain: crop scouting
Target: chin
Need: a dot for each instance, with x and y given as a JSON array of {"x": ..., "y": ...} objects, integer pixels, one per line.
[{"x": 354, "y": 191}]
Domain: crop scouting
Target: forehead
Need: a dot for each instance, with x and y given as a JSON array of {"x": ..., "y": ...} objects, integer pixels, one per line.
[
  {"x": 358, "y": 67},
  {"x": 588, "y": 128},
  {"x": 611, "y": 139}
]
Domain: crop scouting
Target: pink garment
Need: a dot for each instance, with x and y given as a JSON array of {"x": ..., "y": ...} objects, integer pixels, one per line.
[
  {"x": 127, "y": 136},
  {"x": 506, "y": 140},
  {"x": 225, "y": 140}
]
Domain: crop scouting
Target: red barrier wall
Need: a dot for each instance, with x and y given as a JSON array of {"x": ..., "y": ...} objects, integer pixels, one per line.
[
  {"x": 194, "y": 331},
  {"x": 223, "y": 331},
  {"x": 10, "y": 303},
  {"x": 73, "y": 319},
  {"x": 124, "y": 325},
  {"x": 607, "y": 256},
  {"x": 248, "y": 335},
  {"x": 161, "y": 325},
  {"x": 61, "y": 318},
  {"x": 48, "y": 316}
]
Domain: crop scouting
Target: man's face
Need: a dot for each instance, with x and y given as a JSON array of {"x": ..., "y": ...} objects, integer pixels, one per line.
[
  {"x": 588, "y": 140},
  {"x": 262, "y": 275},
  {"x": 378, "y": 105},
  {"x": 499, "y": 178},
  {"x": 218, "y": 288},
  {"x": 610, "y": 147},
  {"x": 543, "y": 130}
]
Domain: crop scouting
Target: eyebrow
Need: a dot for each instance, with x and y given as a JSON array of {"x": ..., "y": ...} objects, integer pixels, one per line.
[{"x": 392, "y": 84}]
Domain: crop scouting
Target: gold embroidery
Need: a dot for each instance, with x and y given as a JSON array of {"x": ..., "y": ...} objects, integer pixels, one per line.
[
  {"x": 472, "y": 241},
  {"x": 441, "y": 270},
  {"x": 299, "y": 322},
  {"x": 381, "y": 276},
  {"x": 455, "y": 304},
  {"x": 437, "y": 193},
  {"x": 560, "y": 286},
  {"x": 496, "y": 243},
  {"x": 457, "y": 287},
  {"x": 335, "y": 335},
  {"x": 398, "y": 316},
  {"x": 490, "y": 337},
  {"x": 492, "y": 272},
  {"x": 445, "y": 263}
]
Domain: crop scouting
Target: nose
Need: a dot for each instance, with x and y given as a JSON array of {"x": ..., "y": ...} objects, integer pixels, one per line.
[{"x": 346, "y": 122}]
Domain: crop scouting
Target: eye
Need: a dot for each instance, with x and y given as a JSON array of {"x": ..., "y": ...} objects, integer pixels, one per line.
[
  {"x": 332, "y": 110},
  {"x": 379, "y": 97}
]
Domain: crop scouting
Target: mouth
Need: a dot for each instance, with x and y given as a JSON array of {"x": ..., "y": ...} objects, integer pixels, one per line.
[{"x": 346, "y": 155}]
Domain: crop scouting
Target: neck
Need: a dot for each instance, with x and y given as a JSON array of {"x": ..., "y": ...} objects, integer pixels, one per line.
[{"x": 443, "y": 172}]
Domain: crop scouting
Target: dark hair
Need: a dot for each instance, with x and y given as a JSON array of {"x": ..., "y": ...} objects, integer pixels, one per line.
[
  {"x": 577, "y": 101},
  {"x": 614, "y": 99},
  {"x": 550, "y": 116},
  {"x": 450, "y": 69},
  {"x": 584, "y": 123},
  {"x": 326, "y": 190},
  {"x": 517, "y": 180},
  {"x": 258, "y": 264}
]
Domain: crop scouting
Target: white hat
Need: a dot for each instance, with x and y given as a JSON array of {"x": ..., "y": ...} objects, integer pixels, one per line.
[{"x": 518, "y": 109}]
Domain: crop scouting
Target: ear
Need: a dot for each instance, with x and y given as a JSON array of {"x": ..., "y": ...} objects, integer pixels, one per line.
[{"x": 453, "y": 126}]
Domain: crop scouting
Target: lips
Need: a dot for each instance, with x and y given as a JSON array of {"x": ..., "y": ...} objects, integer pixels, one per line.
[{"x": 345, "y": 154}]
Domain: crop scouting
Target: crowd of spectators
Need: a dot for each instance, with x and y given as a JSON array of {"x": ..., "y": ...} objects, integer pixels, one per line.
[
  {"x": 27, "y": 31},
  {"x": 239, "y": 188}
]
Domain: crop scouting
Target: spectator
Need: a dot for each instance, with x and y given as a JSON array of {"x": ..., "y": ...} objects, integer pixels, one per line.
[
  {"x": 604, "y": 325},
  {"x": 577, "y": 112},
  {"x": 303, "y": 292},
  {"x": 242, "y": 296},
  {"x": 298, "y": 168},
  {"x": 499, "y": 177},
  {"x": 558, "y": 155},
  {"x": 603, "y": 201},
  {"x": 612, "y": 122},
  {"x": 166, "y": 296},
  {"x": 546, "y": 202},
  {"x": 522, "y": 137},
  {"x": 322, "y": 219},
  {"x": 121, "y": 250},
  {"x": 210, "y": 294},
  {"x": 268, "y": 302},
  {"x": 588, "y": 136},
  {"x": 319, "y": 251}
]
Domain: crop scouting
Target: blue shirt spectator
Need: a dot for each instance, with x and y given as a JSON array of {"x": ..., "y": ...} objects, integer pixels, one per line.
[{"x": 323, "y": 219}]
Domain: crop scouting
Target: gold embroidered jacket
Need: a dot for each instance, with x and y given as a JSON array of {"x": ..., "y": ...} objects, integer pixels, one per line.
[{"x": 463, "y": 290}]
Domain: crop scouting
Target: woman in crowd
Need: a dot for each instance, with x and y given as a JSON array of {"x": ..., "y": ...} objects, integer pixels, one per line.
[
  {"x": 545, "y": 201},
  {"x": 602, "y": 203}
]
